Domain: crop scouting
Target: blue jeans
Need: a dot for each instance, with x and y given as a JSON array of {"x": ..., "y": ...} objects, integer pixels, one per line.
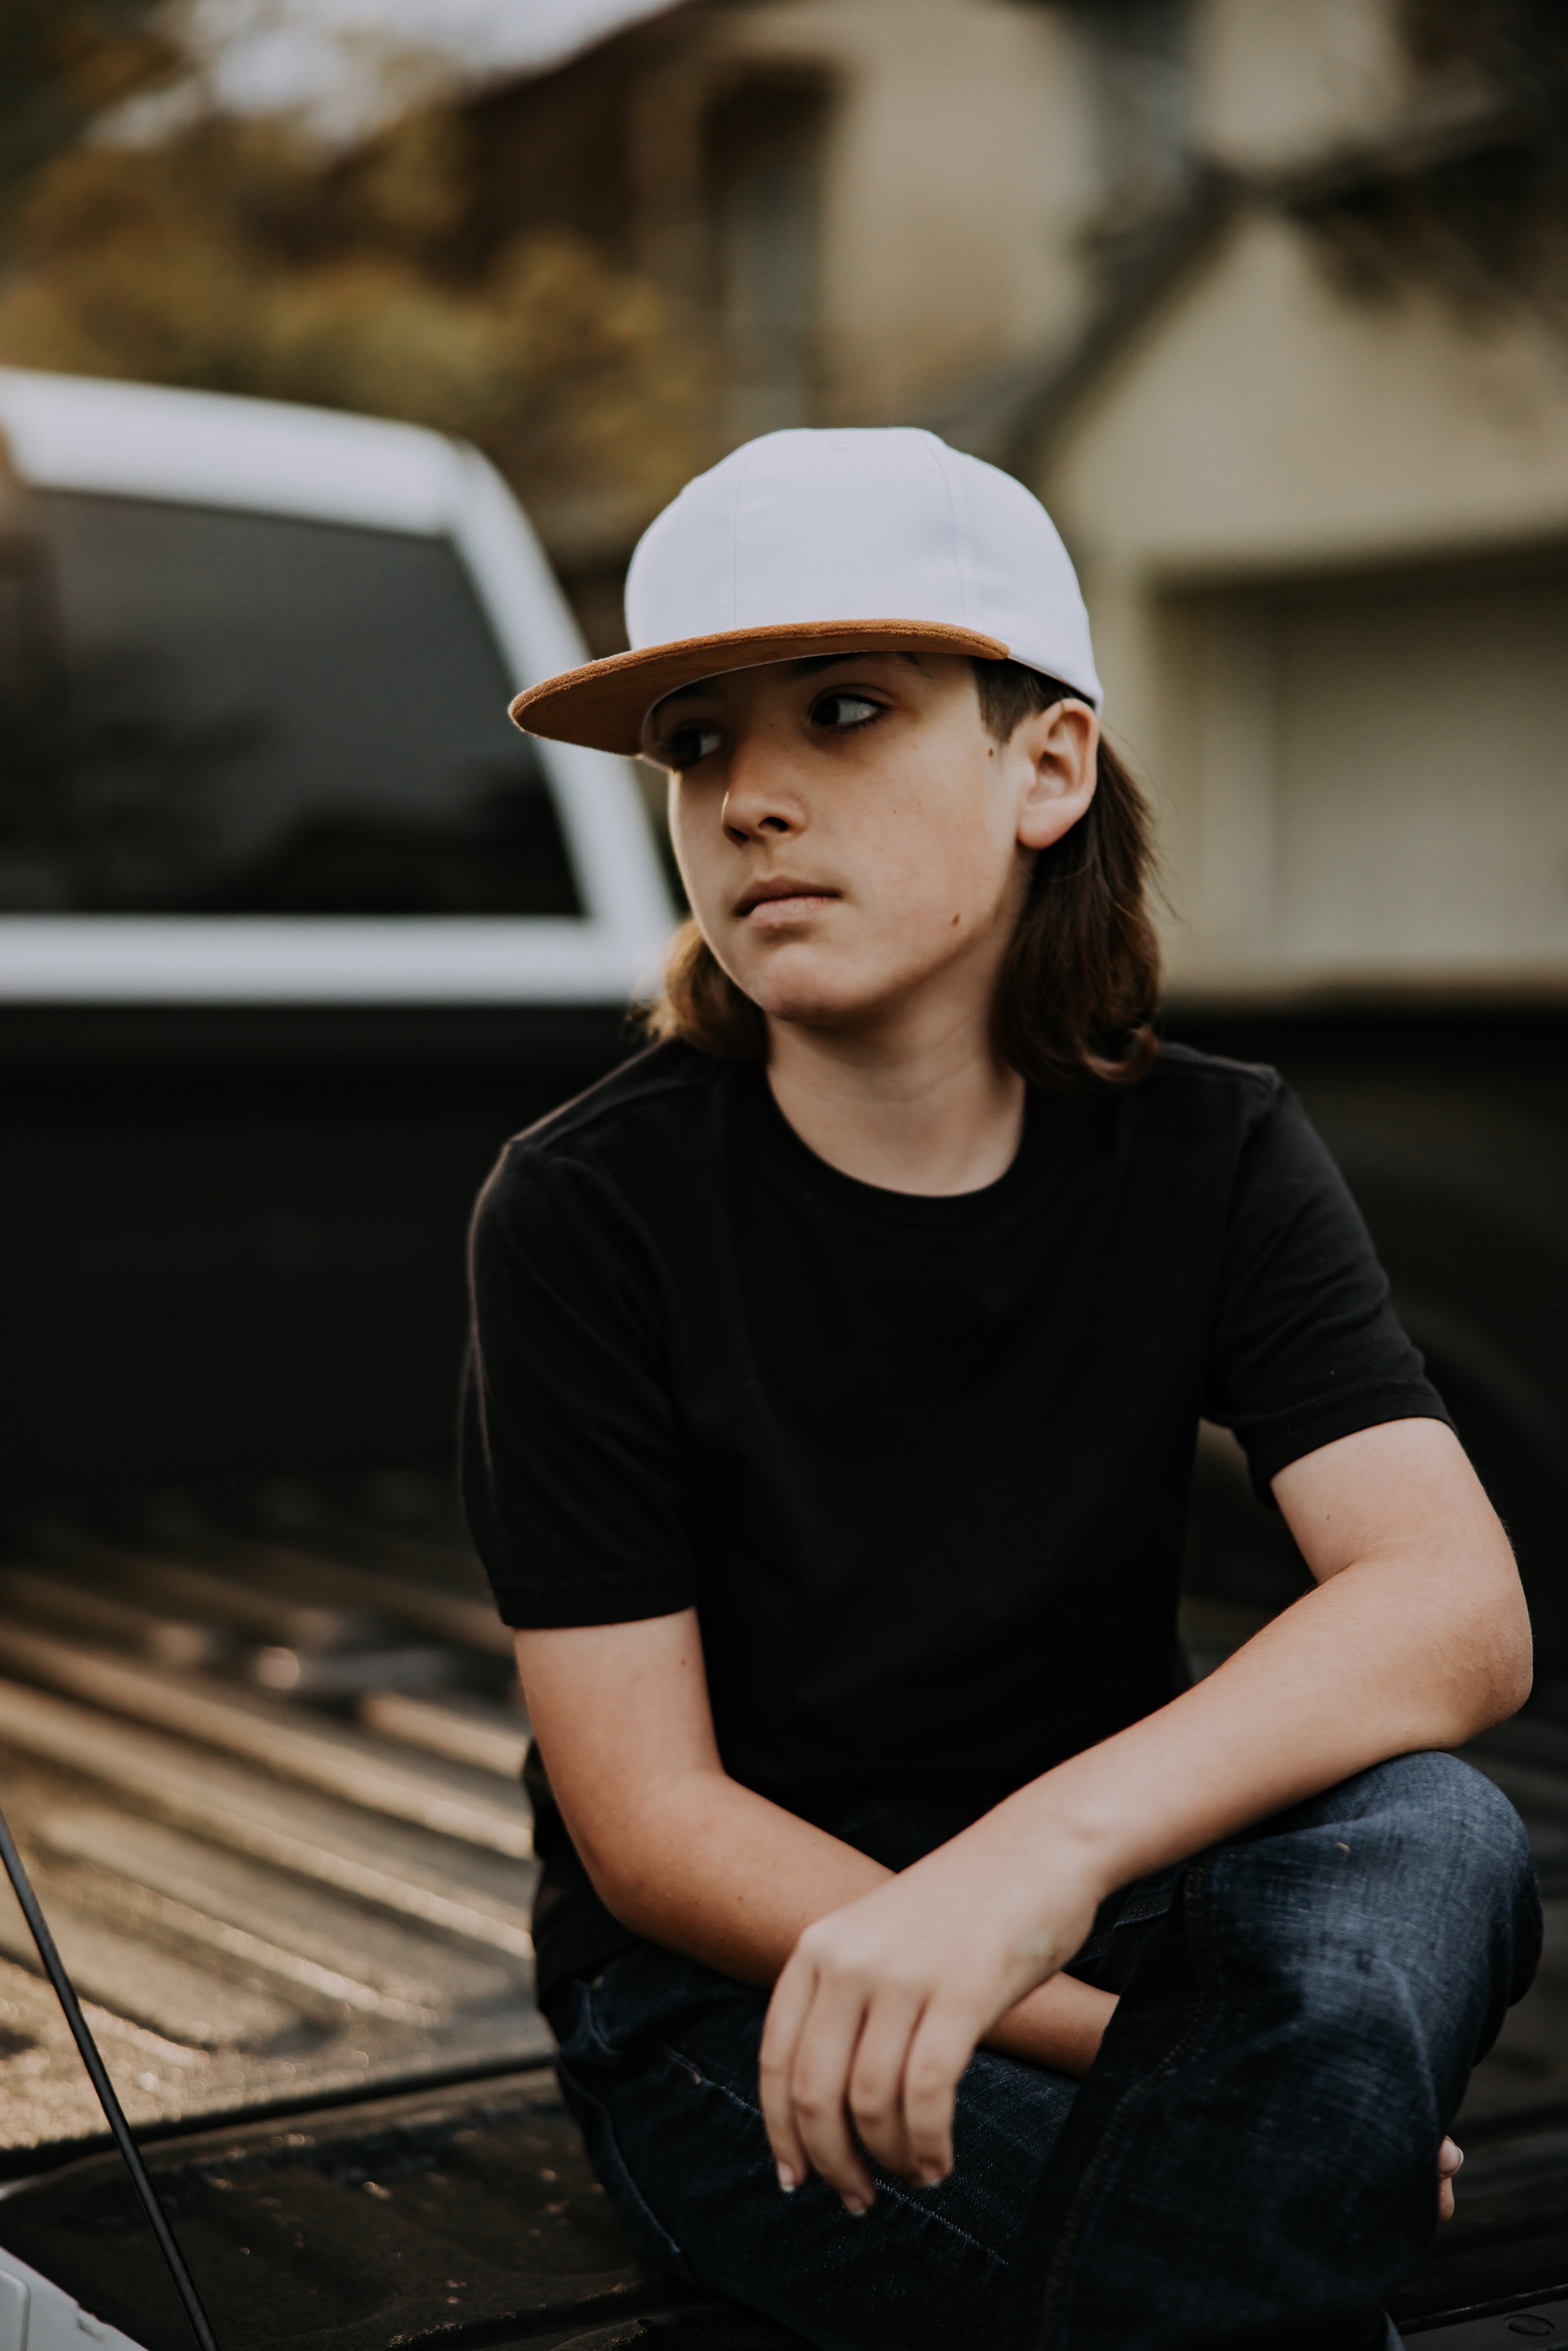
[{"x": 1252, "y": 2158}]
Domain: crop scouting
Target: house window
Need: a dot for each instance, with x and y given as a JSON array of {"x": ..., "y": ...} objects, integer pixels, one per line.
[{"x": 764, "y": 149}]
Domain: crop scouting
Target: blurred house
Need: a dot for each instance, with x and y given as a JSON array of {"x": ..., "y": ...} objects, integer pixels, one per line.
[
  {"x": 869, "y": 210},
  {"x": 1311, "y": 454},
  {"x": 1316, "y": 478}
]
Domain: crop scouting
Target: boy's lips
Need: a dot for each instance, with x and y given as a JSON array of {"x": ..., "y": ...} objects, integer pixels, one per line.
[{"x": 781, "y": 897}]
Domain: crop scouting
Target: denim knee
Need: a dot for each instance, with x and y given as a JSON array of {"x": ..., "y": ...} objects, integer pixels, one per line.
[
  {"x": 1402, "y": 1902},
  {"x": 1440, "y": 1820}
]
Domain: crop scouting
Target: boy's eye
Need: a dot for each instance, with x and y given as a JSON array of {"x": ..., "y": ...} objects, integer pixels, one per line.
[
  {"x": 844, "y": 710},
  {"x": 689, "y": 746}
]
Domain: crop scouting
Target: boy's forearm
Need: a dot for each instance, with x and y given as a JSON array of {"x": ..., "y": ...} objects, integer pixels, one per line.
[
  {"x": 709, "y": 1868},
  {"x": 1376, "y": 1662},
  {"x": 721, "y": 1875}
]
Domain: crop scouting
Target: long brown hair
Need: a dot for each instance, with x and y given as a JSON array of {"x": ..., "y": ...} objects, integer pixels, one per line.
[{"x": 1077, "y": 988}]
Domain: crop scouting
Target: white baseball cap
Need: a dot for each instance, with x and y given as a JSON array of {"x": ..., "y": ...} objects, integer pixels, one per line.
[{"x": 812, "y": 542}]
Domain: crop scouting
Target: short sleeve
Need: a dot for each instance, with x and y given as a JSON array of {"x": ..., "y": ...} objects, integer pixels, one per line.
[
  {"x": 573, "y": 1464},
  {"x": 1306, "y": 1346}
]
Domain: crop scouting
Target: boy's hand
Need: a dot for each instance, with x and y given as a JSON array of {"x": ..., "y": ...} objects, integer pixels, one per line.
[
  {"x": 1450, "y": 2158},
  {"x": 883, "y": 2004}
]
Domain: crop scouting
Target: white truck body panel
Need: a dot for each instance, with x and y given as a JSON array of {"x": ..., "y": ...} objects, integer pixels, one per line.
[{"x": 38, "y": 2315}]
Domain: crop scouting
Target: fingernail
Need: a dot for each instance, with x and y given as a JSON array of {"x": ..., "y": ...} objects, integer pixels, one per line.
[
  {"x": 856, "y": 2212},
  {"x": 930, "y": 2176},
  {"x": 786, "y": 2181}
]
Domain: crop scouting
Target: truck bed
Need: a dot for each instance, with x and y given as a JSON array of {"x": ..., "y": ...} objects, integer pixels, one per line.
[
  {"x": 264, "y": 1763},
  {"x": 269, "y": 1791}
]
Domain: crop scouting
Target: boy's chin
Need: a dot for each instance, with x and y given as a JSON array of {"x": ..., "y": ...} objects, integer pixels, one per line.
[
  {"x": 819, "y": 1005},
  {"x": 803, "y": 989},
  {"x": 794, "y": 983}
]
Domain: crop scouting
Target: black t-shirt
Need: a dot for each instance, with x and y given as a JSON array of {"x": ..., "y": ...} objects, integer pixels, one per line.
[{"x": 921, "y": 1464}]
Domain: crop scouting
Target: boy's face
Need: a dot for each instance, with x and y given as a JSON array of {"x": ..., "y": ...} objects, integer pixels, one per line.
[{"x": 850, "y": 834}]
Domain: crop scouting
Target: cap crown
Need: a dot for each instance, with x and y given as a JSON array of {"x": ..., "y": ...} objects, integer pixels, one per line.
[{"x": 862, "y": 523}]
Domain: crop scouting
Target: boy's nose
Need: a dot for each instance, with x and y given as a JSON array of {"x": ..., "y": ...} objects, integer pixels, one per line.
[{"x": 759, "y": 804}]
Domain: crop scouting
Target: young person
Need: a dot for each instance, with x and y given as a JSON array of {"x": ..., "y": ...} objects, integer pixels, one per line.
[{"x": 930, "y": 1967}]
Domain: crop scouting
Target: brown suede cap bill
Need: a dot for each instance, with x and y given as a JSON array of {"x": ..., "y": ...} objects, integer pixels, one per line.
[{"x": 603, "y": 704}]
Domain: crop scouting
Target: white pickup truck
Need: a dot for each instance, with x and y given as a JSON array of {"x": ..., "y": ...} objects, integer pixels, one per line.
[{"x": 295, "y": 926}]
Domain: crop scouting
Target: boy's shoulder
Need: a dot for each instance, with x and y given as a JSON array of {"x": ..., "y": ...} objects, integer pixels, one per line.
[
  {"x": 1204, "y": 1095},
  {"x": 633, "y": 1117},
  {"x": 1183, "y": 1066}
]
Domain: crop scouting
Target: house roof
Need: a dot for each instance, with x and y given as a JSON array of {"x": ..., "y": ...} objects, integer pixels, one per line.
[{"x": 1011, "y": 415}]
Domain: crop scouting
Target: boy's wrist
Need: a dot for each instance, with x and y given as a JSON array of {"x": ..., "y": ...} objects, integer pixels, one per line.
[
  {"x": 1076, "y": 1828},
  {"x": 1060, "y": 1855}
]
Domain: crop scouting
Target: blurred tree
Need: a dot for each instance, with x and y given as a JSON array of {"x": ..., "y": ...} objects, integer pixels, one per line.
[
  {"x": 61, "y": 63},
  {"x": 234, "y": 256},
  {"x": 1520, "y": 45},
  {"x": 1480, "y": 211}
]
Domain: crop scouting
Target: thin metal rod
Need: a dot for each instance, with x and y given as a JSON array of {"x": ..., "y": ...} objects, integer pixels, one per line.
[{"x": 114, "y": 2113}]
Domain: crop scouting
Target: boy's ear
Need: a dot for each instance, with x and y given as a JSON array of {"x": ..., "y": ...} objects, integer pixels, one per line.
[{"x": 1055, "y": 755}]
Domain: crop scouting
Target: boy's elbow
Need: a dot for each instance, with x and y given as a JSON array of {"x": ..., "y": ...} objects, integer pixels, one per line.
[
  {"x": 1502, "y": 1667},
  {"x": 640, "y": 1864},
  {"x": 1514, "y": 1678},
  {"x": 618, "y": 1874},
  {"x": 629, "y": 1893}
]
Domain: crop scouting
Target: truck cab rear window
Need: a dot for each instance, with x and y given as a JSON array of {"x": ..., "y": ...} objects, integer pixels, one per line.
[{"x": 212, "y": 712}]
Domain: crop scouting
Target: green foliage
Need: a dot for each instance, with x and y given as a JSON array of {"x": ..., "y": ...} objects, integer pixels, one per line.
[{"x": 235, "y": 257}]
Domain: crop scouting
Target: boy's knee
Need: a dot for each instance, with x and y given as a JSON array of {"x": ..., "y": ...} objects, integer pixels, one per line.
[
  {"x": 1442, "y": 1820},
  {"x": 1416, "y": 1872}
]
